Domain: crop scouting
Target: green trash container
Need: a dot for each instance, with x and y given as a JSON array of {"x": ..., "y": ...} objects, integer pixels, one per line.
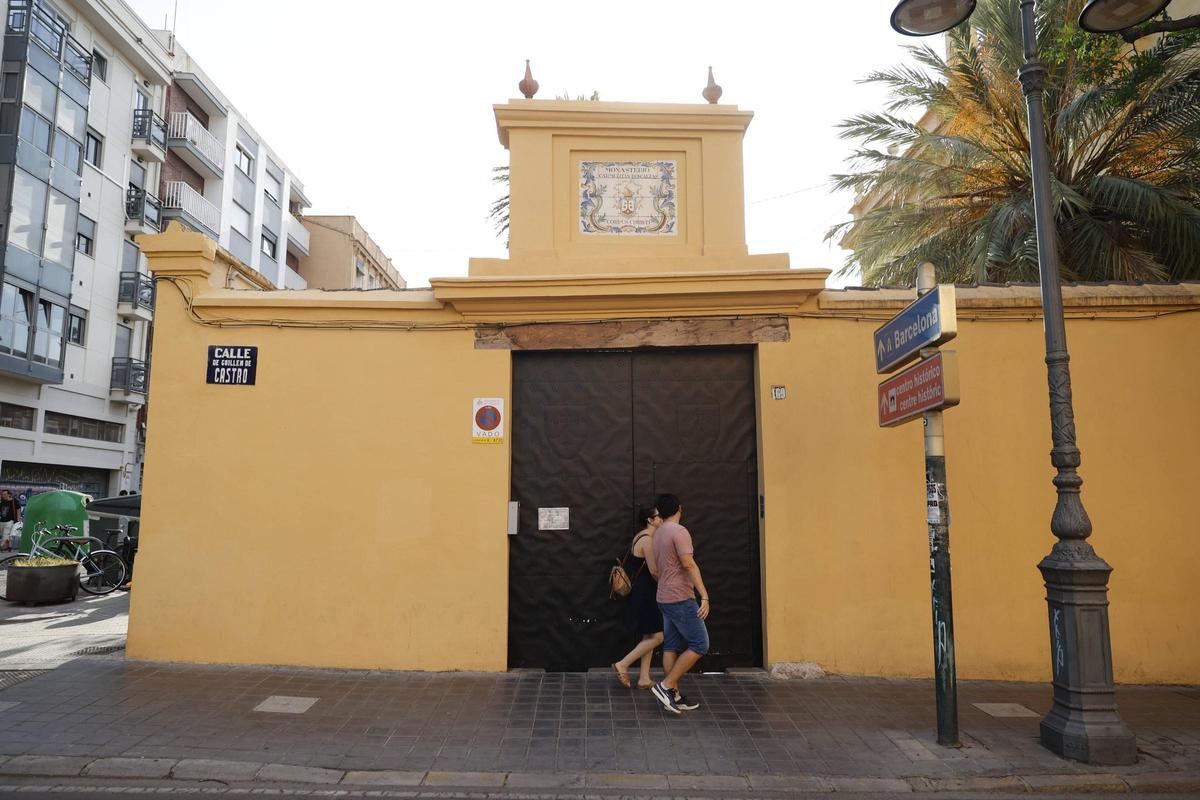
[{"x": 53, "y": 508}]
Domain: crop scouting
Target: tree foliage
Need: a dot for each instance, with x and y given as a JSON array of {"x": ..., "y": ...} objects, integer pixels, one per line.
[{"x": 1123, "y": 130}]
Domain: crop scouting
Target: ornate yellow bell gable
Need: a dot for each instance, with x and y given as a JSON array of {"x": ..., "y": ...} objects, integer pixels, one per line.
[{"x": 601, "y": 188}]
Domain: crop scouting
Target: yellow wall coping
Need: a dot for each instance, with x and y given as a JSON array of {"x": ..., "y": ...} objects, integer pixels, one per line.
[{"x": 1116, "y": 296}]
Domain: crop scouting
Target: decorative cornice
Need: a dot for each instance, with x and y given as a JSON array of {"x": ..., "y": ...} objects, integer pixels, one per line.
[{"x": 603, "y": 115}]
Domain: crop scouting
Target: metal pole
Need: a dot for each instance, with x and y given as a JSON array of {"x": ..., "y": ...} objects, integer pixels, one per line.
[
  {"x": 938, "y": 518},
  {"x": 1082, "y": 723}
]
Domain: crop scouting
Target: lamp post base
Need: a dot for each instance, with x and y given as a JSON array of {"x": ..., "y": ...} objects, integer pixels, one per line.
[
  {"x": 1087, "y": 739},
  {"x": 1083, "y": 723}
]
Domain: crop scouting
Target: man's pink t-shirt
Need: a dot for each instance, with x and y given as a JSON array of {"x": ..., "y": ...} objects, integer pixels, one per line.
[{"x": 671, "y": 541}]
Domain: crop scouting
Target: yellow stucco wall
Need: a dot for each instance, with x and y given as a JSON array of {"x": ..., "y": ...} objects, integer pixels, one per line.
[
  {"x": 337, "y": 513},
  {"x": 846, "y": 575},
  {"x": 334, "y": 514}
]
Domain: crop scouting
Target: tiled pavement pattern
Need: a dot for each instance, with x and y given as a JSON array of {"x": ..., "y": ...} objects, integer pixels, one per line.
[{"x": 535, "y": 722}]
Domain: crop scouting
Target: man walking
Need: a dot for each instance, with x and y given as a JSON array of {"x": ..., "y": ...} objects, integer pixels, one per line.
[{"x": 685, "y": 637}]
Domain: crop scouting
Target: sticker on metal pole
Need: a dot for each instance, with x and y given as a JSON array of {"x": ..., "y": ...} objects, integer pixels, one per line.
[{"x": 487, "y": 420}]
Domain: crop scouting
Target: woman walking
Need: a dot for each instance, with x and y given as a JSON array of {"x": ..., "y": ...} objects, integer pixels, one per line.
[{"x": 642, "y": 612}]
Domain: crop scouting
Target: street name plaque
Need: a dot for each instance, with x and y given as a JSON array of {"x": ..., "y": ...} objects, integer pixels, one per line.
[
  {"x": 931, "y": 384},
  {"x": 927, "y": 322},
  {"x": 232, "y": 365}
]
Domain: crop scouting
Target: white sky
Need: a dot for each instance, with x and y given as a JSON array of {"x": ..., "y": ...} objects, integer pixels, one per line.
[{"x": 384, "y": 109}]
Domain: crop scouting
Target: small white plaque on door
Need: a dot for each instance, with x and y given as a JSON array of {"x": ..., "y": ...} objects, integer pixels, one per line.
[{"x": 554, "y": 519}]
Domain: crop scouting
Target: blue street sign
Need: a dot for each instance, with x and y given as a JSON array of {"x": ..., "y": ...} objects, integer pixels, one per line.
[{"x": 927, "y": 322}]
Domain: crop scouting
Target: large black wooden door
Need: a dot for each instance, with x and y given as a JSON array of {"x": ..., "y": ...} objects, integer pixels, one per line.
[{"x": 599, "y": 434}]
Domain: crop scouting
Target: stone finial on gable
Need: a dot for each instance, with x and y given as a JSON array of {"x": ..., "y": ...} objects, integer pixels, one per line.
[
  {"x": 528, "y": 85},
  {"x": 712, "y": 92}
]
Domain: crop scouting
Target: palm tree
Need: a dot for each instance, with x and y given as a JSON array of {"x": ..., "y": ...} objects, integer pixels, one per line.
[{"x": 1124, "y": 141}]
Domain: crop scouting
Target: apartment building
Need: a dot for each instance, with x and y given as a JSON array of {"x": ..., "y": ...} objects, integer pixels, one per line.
[
  {"x": 109, "y": 130},
  {"x": 220, "y": 178},
  {"x": 79, "y": 157},
  {"x": 342, "y": 255}
]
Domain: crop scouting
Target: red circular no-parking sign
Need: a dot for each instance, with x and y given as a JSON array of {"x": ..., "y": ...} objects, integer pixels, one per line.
[{"x": 487, "y": 418}]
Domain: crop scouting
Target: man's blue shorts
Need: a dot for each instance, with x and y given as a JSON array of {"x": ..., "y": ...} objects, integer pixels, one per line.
[{"x": 682, "y": 628}]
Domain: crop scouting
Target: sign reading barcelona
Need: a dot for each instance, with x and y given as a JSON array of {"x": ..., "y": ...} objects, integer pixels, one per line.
[{"x": 629, "y": 198}]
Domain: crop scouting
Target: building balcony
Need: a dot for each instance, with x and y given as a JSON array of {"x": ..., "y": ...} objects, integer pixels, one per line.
[
  {"x": 149, "y": 139},
  {"x": 135, "y": 296},
  {"x": 143, "y": 212},
  {"x": 185, "y": 204},
  {"x": 297, "y": 234},
  {"x": 130, "y": 381},
  {"x": 198, "y": 148}
]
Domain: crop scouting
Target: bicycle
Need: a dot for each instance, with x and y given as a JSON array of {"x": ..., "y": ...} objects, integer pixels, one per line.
[{"x": 100, "y": 570}]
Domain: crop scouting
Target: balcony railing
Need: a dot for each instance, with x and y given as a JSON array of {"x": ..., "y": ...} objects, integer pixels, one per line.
[
  {"x": 186, "y": 127},
  {"x": 130, "y": 375},
  {"x": 136, "y": 289},
  {"x": 181, "y": 197},
  {"x": 149, "y": 127},
  {"x": 143, "y": 208},
  {"x": 32, "y": 20}
]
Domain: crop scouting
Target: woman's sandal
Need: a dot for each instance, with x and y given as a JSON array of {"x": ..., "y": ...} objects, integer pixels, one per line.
[
  {"x": 623, "y": 677},
  {"x": 645, "y": 685}
]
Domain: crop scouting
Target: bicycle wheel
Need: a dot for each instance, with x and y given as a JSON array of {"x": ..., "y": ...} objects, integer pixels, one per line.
[
  {"x": 101, "y": 571},
  {"x": 5, "y": 564}
]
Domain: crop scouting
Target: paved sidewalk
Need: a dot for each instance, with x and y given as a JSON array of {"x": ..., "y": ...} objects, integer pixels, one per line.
[
  {"x": 106, "y": 717},
  {"x": 44, "y": 637}
]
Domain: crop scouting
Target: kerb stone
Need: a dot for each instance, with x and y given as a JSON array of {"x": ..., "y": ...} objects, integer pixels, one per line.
[
  {"x": 54, "y": 766},
  {"x": 289, "y": 773},
  {"x": 205, "y": 769},
  {"x": 130, "y": 768},
  {"x": 465, "y": 778},
  {"x": 1062, "y": 784},
  {"x": 383, "y": 777}
]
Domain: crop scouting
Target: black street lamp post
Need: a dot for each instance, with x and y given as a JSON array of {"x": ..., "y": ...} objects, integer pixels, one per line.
[{"x": 1082, "y": 723}]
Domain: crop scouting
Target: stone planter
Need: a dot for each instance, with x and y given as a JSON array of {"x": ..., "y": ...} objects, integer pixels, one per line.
[{"x": 32, "y": 585}]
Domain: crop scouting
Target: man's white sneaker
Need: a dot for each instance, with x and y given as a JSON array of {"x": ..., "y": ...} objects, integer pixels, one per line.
[{"x": 666, "y": 697}]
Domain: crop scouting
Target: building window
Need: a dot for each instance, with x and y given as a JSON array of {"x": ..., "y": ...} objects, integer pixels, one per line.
[
  {"x": 35, "y": 129},
  {"x": 85, "y": 236},
  {"x": 99, "y": 66},
  {"x": 62, "y": 214},
  {"x": 244, "y": 161},
  {"x": 130, "y": 256},
  {"x": 137, "y": 176},
  {"x": 271, "y": 188},
  {"x": 83, "y": 427},
  {"x": 93, "y": 149},
  {"x": 68, "y": 152},
  {"x": 28, "y": 216},
  {"x": 77, "y": 329},
  {"x": 20, "y": 417},
  {"x": 240, "y": 220},
  {"x": 48, "y": 334},
  {"x": 269, "y": 244},
  {"x": 16, "y": 305}
]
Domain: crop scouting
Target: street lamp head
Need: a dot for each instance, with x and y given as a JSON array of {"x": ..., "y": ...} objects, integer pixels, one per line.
[
  {"x": 1110, "y": 16},
  {"x": 927, "y": 17}
]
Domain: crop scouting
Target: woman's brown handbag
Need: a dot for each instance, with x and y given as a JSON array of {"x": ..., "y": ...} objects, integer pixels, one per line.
[{"x": 619, "y": 582}]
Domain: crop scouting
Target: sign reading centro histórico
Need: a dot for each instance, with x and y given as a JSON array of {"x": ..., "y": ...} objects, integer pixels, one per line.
[
  {"x": 927, "y": 322},
  {"x": 628, "y": 198},
  {"x": 933, "y": 383},
  {"x": 232, "y": 365}
]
